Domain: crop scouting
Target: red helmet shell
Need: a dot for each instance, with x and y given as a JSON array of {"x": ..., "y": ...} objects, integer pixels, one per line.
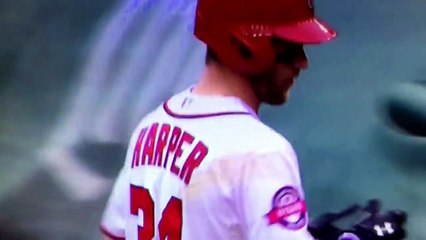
[{"x": 253, "y": 23}]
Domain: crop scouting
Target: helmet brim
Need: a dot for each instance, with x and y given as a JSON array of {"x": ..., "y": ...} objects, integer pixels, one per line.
[{"x": 310, "y": 31}]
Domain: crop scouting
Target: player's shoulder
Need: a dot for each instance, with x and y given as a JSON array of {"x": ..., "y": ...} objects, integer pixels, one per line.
[
  {"x": 251, "y": 135},
  {"x": 157, "y": 114}
]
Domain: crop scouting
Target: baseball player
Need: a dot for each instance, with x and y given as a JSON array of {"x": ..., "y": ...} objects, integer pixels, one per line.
[{"x": 202, "y": 165}]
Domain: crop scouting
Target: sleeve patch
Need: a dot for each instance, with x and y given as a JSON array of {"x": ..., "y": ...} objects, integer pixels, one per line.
[{"x": 288, "y": 209}]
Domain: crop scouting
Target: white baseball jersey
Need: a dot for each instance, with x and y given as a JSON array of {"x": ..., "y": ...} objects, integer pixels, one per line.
[{"x": 202, "y": 167}]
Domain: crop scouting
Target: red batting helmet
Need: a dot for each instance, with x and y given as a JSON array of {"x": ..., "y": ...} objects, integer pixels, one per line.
[{"x": 253, "y": 23}]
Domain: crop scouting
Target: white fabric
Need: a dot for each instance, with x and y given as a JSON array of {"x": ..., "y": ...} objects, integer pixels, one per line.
[{"x": 230, "y": 194}]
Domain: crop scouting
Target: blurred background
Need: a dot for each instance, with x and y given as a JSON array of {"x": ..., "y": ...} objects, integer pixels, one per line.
[{"x": 76, "y": 77}]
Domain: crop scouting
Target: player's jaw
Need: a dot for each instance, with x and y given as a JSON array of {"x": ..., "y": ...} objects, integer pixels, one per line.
[
  {"x": 280, "y": 86},
  {"x": 273, "y": 87},
  {"x": 290, "y": 60}
]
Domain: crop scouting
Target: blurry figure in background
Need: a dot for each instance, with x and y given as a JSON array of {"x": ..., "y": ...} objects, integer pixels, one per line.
[{"x": 139, "y": 56}]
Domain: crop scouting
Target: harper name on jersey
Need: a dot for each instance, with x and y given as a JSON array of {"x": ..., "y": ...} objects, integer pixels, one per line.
[{"x": 163, "y": 145}]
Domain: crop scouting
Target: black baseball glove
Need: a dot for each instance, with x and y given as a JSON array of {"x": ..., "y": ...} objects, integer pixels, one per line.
[{"x": 360, "y": 223}]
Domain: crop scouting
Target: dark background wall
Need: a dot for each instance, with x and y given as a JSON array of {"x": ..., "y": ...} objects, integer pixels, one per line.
[{"x": 75, "y": 76}]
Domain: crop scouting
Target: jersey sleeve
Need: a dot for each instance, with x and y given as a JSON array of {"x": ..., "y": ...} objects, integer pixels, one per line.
[
  {"x": 270, "y": 199},
  {"x": 114, "y": 216}
]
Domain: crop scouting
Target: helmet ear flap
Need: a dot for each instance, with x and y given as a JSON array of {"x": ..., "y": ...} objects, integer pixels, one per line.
[
  {"x": 256, "y": 53},
  {"x": 243, "y": 48},
  {"x": 238, "y": 51}
]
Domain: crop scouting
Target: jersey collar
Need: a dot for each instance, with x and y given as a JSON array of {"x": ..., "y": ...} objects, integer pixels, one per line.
[{"x": 189, "y": 105}]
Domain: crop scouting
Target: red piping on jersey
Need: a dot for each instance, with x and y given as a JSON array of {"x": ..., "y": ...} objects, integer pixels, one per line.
[
  {"x": 191, "y": 116},
  {"x": 110, "y": 235}
]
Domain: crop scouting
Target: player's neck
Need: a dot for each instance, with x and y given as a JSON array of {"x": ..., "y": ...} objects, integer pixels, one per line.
[{"x": 220, "y": 81}]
